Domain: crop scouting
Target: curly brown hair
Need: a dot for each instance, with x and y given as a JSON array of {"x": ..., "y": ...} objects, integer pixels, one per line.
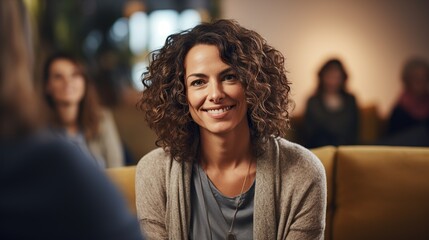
[{"x": 259, "y": 67}]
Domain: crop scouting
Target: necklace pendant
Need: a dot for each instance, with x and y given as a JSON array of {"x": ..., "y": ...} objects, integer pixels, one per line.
[{"x": 231, "y": 236}]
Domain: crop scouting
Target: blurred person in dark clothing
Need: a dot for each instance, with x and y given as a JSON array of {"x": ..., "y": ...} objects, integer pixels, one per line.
[
  {"x": 49, "y": 190},
  {"x": 412, "y": 108},
  {"x": 331, "y": 116},
  {"x": 408, "y": 124}
]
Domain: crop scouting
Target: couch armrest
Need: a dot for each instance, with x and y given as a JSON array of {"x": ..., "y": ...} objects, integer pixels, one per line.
[
  {"x": 327, "y": 157},
  {"x": 124, "y": 179},
  {"x": 381, "y": 193}
]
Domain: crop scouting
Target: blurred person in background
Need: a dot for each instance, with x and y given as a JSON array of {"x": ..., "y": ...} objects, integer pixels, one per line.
[
  {"x": 331, "y": 116},
  {"x": 412, "y": 108},
  {"x": 408, "y": 123},
  {"x": 49, "y": 189},
  {"x": 76, "y": 113}
]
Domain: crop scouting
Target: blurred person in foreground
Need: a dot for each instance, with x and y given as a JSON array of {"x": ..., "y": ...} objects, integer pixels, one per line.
[
  {"x": 76, "y": 114},
  {"x": 49, "y": 190},
  {"x": 408, "y": 123},
  {"x": 218, "y": 98},
  {"x": 331, "y": 116}
]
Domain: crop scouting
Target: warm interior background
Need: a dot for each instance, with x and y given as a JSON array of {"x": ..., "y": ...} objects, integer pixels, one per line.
[{"x": 372, "y": 38}]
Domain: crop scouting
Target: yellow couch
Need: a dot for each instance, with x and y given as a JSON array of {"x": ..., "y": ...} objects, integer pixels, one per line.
[{"x": 374, "y": 192}]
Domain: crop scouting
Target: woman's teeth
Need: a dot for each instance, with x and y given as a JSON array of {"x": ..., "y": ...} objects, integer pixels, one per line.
[{"x": 221, "y": 110}]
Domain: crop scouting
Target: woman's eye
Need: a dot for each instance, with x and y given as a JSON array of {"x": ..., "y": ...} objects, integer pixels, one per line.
[
  {"x": 230, "y": 77},
  {"x": 197, "y": 82}
]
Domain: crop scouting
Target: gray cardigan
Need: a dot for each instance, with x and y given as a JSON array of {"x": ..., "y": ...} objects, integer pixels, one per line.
[
  {"x": 107, "y": 147},
  {"x": 290, "y": 194}
]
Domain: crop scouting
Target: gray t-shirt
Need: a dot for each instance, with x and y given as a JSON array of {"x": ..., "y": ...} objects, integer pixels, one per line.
[{"x": 212, "y": 213}]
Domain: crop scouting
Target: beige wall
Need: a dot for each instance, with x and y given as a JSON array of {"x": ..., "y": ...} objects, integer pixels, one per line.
[{"x": 373, "y": 38}]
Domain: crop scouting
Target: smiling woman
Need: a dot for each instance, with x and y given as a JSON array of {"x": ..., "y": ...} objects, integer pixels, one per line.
[{"x": 218, "y": 98}]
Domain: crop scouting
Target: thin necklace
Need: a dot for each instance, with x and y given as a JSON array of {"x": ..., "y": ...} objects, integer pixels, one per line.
[{"x": 230, "y": 235}]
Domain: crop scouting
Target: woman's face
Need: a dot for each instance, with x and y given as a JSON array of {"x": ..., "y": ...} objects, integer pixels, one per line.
[
  {"x": 215, "y": 95},
  {"x": 66, "y": 85},
  {"x": 332, "y": 80}
]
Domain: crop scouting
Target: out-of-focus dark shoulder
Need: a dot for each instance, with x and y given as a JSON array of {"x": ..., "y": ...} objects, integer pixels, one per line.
[{"x": 41, "y": 149}]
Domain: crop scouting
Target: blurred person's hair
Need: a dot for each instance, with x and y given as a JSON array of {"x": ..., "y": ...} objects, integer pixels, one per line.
[
  {"x": 89, "y": 107},
  {"x": 328, "y": 66},
  {"x": 19, "y": 104}
]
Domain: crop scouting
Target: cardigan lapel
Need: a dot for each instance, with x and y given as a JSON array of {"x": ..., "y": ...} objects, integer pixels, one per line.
[
  {"x": 266, "y": 191},
  {"x": 179, "y": 200},
  {"x": 187, "y": 169}
]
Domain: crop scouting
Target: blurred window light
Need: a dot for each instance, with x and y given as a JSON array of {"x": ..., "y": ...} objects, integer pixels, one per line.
[
  {"x": 189, "y": 18},
  {"x": 138, "y": 32},
  {"x": 161, "y": 24},
  {"x": 92, "y": 42},
  {"x": 119, "y": 31},
  {"x": 136, "y": 74},
  {"x": 148, "y": 32}
]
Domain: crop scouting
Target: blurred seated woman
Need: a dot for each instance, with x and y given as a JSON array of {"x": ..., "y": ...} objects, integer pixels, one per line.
[
  {"x": 412, "y": 108},
  {"x": 76, "y": 114},
  {"x": 331, "y": 116},
  {"x": 48, "y": 190}
]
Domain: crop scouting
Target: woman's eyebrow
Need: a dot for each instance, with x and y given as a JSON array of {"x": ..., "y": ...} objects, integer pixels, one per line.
[
  {"x": 202, "y": 75},
  {"x": 198, "y": 75},
  {"x": 226, "y": 71}
]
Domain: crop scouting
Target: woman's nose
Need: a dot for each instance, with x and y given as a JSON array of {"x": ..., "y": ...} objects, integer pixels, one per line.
[{"x": 215, "y": 92}]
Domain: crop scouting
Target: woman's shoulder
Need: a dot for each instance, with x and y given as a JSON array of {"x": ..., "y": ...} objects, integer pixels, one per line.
[
  {"x": 314, "y": 99},
  {"x": 105, "y": 112},
  {"x": 350, "y": 97},
  {"x": 155, "y": 160},
  {"x": 314, "y": 102},
  {"x": 297, "y": 156},
  {"x": 106, "y": 116},
  {"x": 106, "y": 128},
  {"x": 291, "y": 147},
  {"x": 155, "y": 155}
]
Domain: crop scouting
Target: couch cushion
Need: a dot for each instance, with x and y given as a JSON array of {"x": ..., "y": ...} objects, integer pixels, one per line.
[
  {"x": 124, "y": 179},
  {"x": 381, "y": 193},
  {"x": 327, "y": 157}
]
